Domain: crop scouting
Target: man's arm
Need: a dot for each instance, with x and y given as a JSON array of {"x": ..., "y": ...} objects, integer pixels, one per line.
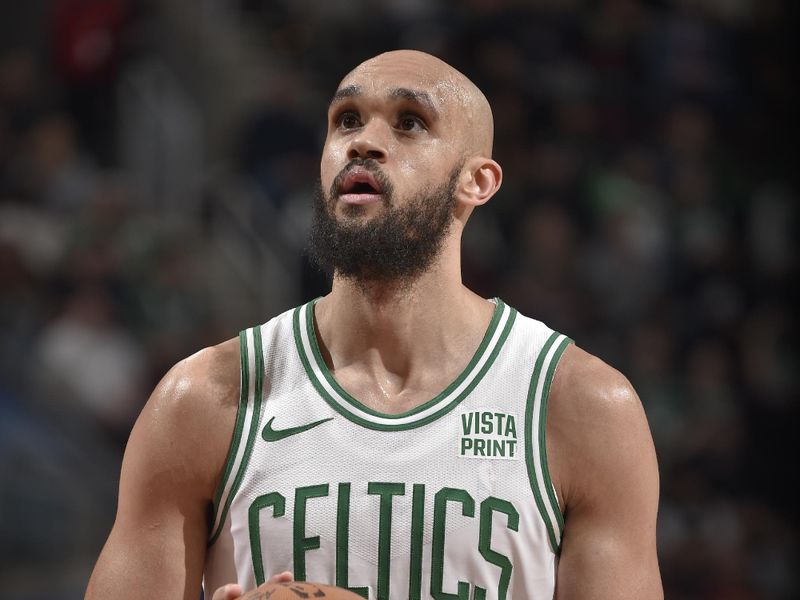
[
  {"x": 172, "y": 464},
  {"x": 604, "y": 468}
]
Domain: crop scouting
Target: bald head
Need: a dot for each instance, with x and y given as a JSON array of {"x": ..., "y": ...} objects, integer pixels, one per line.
[
  {"x": 432, "y": 81},
  {"x": 420, "y": 123}
]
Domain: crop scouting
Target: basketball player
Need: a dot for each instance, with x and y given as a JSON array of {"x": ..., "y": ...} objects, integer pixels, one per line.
[{"x": 401, "y": 437}]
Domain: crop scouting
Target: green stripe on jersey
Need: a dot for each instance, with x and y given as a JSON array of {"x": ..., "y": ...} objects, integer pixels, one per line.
[
  {"x": 536, "y": 416},
  {"x": 244, "y": 389},
  {"x": 254, "y": 410},
  {"x": 346, "y": 405},
  {"x": 548, "y": 482}
]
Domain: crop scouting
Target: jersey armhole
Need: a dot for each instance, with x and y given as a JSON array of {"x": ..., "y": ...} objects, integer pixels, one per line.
[
  {"x": 535, "y": 432},
  {"x": 250, "y": 386}
]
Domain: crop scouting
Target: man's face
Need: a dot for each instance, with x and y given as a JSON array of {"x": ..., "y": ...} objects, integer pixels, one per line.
[
  {"x": 396, "y": 245},
  {"x": 390, "y": 165}
]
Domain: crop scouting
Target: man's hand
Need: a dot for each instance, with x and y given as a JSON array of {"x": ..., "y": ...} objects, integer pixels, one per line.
[
  {"x": 231, "y": 591},
  {"x": 228, "y": 592}
]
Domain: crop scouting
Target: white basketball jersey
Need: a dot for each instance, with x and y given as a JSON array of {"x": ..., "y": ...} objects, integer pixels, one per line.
[{"x": 451, "y": 500}]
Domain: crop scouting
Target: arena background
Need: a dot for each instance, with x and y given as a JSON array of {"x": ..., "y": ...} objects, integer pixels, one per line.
[{"x": 156, "y": 165}]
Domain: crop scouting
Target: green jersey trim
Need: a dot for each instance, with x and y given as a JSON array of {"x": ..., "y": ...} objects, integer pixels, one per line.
[
  {"x": 349, "y": 407},
  {"x": 535, "y": 448},
  {"x": 252, "y": 385},
  {"x": 244, "y": 386}
]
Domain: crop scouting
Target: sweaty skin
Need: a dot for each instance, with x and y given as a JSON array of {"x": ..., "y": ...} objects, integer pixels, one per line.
[
  {"x": 394, "y": 347},
  {"x": 449, "y": 87},
  {"x": 411, "y": 114}
]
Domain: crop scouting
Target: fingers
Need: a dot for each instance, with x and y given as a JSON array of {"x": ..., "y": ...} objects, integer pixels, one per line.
[
  {"x": 228, "y": 592},
  {"x": 284, "y": 577},
  {"x": 265, "y": 590},
  {"x": 232, "y": 591}
]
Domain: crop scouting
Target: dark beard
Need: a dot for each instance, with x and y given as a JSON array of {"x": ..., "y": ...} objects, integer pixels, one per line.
[{"x": 395, "y": 246}]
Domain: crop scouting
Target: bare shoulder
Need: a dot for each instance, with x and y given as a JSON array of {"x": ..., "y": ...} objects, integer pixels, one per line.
[
  {"x": 187, "y": 423},
  {"x": 172, "y": 464},
  {"x": 596, "y": 425},
  {"x": 584, "y": 383},
  {"x": 207, "y": 378},
  {"x": 603, "y": 464}
]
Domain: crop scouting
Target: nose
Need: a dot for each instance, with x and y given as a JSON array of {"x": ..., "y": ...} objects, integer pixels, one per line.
[{"x": 368, "y": 142}]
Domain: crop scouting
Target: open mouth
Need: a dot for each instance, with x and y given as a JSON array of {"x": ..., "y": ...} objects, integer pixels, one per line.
[{"x": 359, "y": 186}]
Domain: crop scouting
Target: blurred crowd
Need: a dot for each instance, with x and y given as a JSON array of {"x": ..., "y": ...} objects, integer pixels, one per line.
[{"x": 157, "y": 161}]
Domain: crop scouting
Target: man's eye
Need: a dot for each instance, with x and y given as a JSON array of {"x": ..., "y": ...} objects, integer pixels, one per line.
[
  {"x": 410, "y": 123},
  {"x": 348, "y": 120}
]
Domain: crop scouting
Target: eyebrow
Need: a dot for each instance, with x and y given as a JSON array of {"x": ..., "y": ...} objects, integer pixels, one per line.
[
  {"x": 346, "y": 92},
  {"x": 417, "y": 96}
]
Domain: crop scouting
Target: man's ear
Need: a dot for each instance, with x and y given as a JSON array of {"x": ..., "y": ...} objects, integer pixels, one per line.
[{"x": 480, "y": 179}]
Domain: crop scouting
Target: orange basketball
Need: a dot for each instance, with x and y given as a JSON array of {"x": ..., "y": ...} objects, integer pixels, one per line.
[{"x": 299, "y": 590}]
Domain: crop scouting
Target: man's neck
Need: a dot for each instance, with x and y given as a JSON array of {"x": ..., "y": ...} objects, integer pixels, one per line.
[{"x": 400, "y": 343}]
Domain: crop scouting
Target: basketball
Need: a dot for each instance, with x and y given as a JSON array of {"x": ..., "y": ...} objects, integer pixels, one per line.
[{"x": 295, "y": 590}]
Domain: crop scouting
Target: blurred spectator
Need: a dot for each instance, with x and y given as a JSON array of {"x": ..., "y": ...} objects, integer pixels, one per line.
[
  {"x": 88, "y": 49},
  {"x": 86, "y": 361},
  {"x": 53, "y": 170}
]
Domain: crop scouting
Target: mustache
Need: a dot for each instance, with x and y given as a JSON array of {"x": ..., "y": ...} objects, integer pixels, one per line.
[{"x": 368, "y": 164}]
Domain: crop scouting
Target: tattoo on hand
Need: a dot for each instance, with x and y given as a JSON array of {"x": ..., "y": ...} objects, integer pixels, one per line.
[{"x": 300, "y": 592}]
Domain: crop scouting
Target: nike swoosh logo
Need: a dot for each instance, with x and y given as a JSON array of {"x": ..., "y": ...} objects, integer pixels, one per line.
[{"x": 273, "y": 435}]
